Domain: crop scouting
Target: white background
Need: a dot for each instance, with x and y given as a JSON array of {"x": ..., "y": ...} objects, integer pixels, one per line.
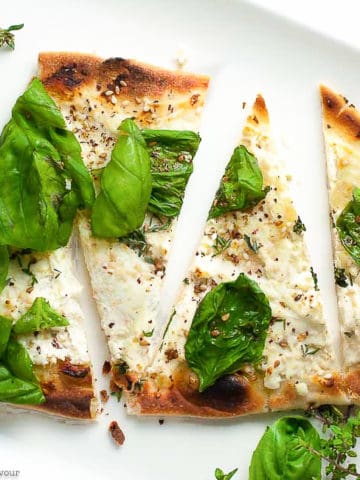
[{"x": 272, "y": 55}]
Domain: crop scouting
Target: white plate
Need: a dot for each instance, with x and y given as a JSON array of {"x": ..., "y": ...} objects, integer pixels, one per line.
[{"x": 284, "y": 62}]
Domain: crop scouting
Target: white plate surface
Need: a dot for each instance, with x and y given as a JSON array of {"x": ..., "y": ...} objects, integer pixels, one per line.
[{"x": 283, "y": 61}]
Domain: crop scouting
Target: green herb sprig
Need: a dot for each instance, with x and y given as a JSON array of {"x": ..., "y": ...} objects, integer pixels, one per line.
[{"x": 7, "y": 38}]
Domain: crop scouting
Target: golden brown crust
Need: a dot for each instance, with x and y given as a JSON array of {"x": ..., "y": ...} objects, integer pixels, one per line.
[
  {"x": 352, "y": 384},
  {"x": 339, "y": 114},
  {"x": 64, "y": 74},
  {"x": 231, "y": 396},
  {"x": 260, "y": 112},
  {"x": 68, "y": 390},
  {"x": 320, "y": 391}
]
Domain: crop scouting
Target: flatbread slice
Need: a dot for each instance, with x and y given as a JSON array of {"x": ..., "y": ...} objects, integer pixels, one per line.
[
  {"x": 266, "y": 243},
  {"x": 341, "y": 126},
  {"x": 95, "y": 96},
  {"x": 59, "y": 355}
]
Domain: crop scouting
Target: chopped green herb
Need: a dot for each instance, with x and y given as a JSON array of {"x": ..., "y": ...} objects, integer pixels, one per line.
[
  {"x": 309, "y": 349},
  {"x": 299, "y": 227},
  {"x": 117, "y": 394},
  {"x": 315, "y": 278},
  {"x": 186, "y": 281},
  {"x": 253, "y": 245},
  {"x": 7, "y": 39},
  {"x": 123, "y": 367},
  {"x": 340, "y": 277},
  {"x": 148, "y": 334},
  {"x": 220, "y": 245}
]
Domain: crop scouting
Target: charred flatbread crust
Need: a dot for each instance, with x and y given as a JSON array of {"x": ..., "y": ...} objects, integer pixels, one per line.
[
  {"x": 172, "y": 388},
  {"x": 95, "y": 95},
  {"x": 341, "y": 127},
  {"x": 59, "y": 355},
  {"x": 66, "y": 73}
]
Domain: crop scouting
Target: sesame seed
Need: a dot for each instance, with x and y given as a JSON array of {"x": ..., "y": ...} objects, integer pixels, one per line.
[
  {"x": 123, "y": 83},
  {"x": 125, "y": 103},
  {"x": 108, "y": 93},
  {"x": 225, "y": 317},
  {"x": 117, "y": 89},
  {"x": 138, "y": 100},
  {"x": 113, "y": 100}
]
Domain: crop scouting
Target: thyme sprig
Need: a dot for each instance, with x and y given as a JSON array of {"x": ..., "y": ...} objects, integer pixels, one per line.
[{"x": 7, "y": 39}]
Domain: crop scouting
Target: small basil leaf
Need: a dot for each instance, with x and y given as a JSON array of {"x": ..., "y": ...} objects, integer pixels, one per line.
[
  {"x": 171, "y": 153},
  {"x": 39, "y": 317},
  {"x": 4, "y": 266},
  {"x": 281, "y": 453},
  {"x": 348, "y": 226},
  {"x": 241, "y": 186},
  {"x": 42, "y": 177},
  {"x": 122, "y": 202},
  {"x": 5, "y": 330},
  {"x": 15, "y": 390},
  {"x": 228, "y": 330},
  {"x": 18, "y": 361}
]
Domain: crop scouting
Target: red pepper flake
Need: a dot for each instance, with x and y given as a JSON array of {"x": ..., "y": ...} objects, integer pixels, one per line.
[{"x": 116, "y": 433}]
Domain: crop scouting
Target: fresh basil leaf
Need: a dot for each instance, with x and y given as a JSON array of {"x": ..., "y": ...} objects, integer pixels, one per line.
[
  {"x": 122, "y": 202},
  {"x": 241, "y": 186},
  {"x": 15, "y": 390},
  {"x": 42, "y": 177},
  {"x": 4, "y": 266},
  {"x": 5, "y": 330},
  {"x": 18, "y": 361},
  {"x": 228, "y": 330},
  {"x": 39, "y": 317},
  {"x": 171, "y": 153},
  {"x": 282, "y": 453},
  {"x": 348, "y": 226}
]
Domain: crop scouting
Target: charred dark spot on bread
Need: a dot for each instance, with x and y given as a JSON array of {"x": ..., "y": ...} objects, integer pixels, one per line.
[{"x": 76, "y": 371}]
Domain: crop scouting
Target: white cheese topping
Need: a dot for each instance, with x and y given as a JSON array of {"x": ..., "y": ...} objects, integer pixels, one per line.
[
  {"x": 343, "y": 167},
  {"x": 55, "y": 282},
  {"x": 297, "y": 345}
]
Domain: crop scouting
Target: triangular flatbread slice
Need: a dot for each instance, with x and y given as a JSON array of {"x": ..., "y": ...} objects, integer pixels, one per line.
[
  {"x": 265, "y": 243},
  {"x": 341, "y": 123},
  {"x": 59, "y": 355},
  {"x": 95, "y": 96}
]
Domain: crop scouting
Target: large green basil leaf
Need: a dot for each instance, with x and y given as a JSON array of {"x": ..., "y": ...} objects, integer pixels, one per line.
[
  {"x": 281, "y": 454},
  {"x": 348, "y": 226},
  {"x": 42, "y": 177},
  {"x": 241, "y": 186},
  {"x": 4, "y": 266},
  {"x": 18, "y": 361},
  {"x": 39, "y": 317},
  {"x": 5, "y": 330},
  {"x": 228, "y": 330},
  {"x": 15, "y": 390},
  {"x": 122, "y": 202},
  {"x": 171, "y": 153}
]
